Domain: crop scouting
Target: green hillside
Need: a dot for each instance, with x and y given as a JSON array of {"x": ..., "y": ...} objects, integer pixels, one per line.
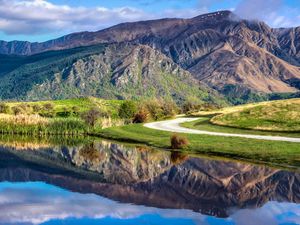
[
  {"x": 104, "y": 71},
  {"x": 282, "y": 115}
]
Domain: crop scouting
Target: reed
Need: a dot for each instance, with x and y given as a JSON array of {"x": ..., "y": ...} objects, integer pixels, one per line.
[{"x": 37, "y": 125}]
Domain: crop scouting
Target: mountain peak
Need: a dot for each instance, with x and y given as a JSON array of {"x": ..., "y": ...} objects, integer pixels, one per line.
[{"x": 218, "y": 15}]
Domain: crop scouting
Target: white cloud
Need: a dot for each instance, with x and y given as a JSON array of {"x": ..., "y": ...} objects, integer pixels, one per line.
[
  {"x": 40, "y": 17},
  {"x": 35, "y": 203},
  {"x": 25, "y": 203},
  {"x": 273, "y": 12}
]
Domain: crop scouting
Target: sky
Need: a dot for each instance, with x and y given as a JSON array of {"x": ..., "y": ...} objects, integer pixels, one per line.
[
  {"x": 41, "y": 20},
  {"x": 34, "y": 203}
]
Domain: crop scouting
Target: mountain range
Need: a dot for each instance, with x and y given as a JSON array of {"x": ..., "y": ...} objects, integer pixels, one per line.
[{"x": 216, "y": 57}]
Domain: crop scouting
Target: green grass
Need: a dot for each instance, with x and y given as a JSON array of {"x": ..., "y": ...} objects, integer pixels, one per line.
[
  {"x": 55, "y": 120},
  {"x": 281, "y": 153},
  {"x": 57, "y": 126},
  {"x": 279, "y": 116},
  {"x": 83, "y": 105},
  {"x": 203, "y": 123}
]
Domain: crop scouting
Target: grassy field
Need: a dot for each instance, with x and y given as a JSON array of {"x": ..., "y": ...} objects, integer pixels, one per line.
[
  {"x": 81, "y": 105},
  {"x": 281, "y": 153},
  {"x": 61, "y": 117},
  {"x": 281, "y": 116},
  {"x": 203, "y": 123}
]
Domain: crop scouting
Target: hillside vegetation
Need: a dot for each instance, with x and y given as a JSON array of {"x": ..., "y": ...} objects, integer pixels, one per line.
[
  {"x": 116, "y": 71},
  {"x": 81, "y": 116},
  {"x": 66, "y": 117},
  {"x": 243, "y": 60},
  {"x": 283, "y": 115}
]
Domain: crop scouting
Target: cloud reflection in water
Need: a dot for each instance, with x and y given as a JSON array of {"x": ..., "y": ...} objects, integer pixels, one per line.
[{"x": 37, "y": 203}]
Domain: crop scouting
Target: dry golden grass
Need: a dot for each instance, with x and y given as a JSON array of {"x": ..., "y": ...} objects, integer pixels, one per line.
[
  {"x": 23, "y": 119},
  {"x": 109, "y": 122}
]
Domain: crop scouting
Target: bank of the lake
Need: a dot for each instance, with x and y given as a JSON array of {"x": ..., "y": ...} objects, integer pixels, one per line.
[{"x": 273, "y": 152}]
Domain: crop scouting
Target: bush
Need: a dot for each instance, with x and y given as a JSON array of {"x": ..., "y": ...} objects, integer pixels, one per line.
[
  {"x": 17, "y": 110},
  {"x": 48, "y": 114},
  {"x": 48, "y": 106},
  {"x": 4, "y": 108},
  {"x": 154, "y": 108},
  {"x": 178, "y": 142},
  {"x": 36, "y": 108},
  {"x": 141, "y": 117},
  {"x": 75, "y": 110},
  {"x": 128, "y": 110},
  {"x": 169, "y": 108},
  {"x": 190, "y": 107},
  {"x": 65, "y": 113},
  {"x": 160, "y": 109},
  {"x": 90, "y": 117}
]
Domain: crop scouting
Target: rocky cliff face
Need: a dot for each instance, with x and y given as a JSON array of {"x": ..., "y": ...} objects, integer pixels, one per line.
[
  {"x": 218, "y": 49},
  {"x": 115, "y": 71}
]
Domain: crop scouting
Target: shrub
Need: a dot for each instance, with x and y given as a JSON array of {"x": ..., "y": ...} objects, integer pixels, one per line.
[
  {"x": 4, "y": 108},
  {"x": 178, "y": 142},
  {"x": 190, "y": 106},
  {"x": 48, "y": 114},
  {"x": 90, "y": 117},
  {"x": 17, "y": 110},
  {"x": 169, "y": 108},
  {"x": 75, "y": 110},
  {"x": 48, "y": 106},
  {"x": 154, "y": 108},
  {"x": 64, "y": 113},
  {"x": 36, "y": 108},
  {"x": 127, "y": 110},
  {"x": 141, "y": 117}
]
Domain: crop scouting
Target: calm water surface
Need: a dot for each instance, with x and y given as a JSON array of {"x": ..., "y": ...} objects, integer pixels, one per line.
[{"x": 101, "y": 182}]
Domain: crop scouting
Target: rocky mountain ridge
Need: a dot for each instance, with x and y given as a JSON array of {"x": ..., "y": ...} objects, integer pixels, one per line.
[{"x": 236, "y": 57}]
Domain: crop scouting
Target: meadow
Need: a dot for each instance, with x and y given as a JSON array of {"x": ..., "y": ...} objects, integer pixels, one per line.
[{"x": 60, "y": 117}]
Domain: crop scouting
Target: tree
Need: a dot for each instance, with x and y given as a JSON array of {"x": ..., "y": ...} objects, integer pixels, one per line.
[
  {"x": 90, "y": 117},
  {"x": 128, "y": 110}
]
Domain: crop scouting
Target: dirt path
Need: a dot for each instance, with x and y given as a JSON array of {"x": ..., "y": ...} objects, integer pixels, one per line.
[{"x": 174, "y": 126}]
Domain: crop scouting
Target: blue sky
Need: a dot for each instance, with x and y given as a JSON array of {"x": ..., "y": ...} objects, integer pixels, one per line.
[{"x": 40, "y": 20}]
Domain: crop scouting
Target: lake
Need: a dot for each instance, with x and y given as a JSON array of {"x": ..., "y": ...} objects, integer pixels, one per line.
[{"x": 93, "y": 181}]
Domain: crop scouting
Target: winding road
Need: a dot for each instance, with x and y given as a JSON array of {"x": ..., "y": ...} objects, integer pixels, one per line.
[{"x": 174, "y": 126}]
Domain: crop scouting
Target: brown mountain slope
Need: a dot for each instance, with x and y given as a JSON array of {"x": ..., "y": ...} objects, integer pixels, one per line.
[
  {"x": 122, "y": 71},
  {"x": 217, "y": 48},
  {"x": 245, "y": 64}
]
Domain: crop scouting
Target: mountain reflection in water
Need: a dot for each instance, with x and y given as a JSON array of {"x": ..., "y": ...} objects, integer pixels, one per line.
[{"x": 113, "y": 183}]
